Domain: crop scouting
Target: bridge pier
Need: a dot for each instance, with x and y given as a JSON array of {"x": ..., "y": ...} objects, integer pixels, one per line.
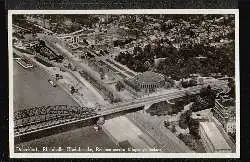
[
  {"x": 147, "y": 106},
  {"x": 99, "y": 122}
]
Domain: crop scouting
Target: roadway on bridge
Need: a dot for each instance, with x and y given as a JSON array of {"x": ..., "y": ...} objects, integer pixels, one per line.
[{"x": 152, "y": 99}]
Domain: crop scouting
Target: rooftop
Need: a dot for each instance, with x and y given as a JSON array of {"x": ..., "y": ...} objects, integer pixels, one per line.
[
  {"x": 149, "y": 77},
  {"x": 215, "y": 136},
  {"x": 226, "y": 101}
]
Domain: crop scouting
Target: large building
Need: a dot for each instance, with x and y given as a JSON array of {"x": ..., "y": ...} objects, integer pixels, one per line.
[
  {"x": 212, "y": 139},
  {"x": 224, "y": 112},
  {"x": 148, "y": 81}
]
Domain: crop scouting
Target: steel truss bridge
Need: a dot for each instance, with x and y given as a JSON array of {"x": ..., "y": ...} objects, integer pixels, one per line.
[{"x": 28, "y": 120}]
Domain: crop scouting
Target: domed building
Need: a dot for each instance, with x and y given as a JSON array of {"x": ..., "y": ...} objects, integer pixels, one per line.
[{"x": 148, "y": 81}]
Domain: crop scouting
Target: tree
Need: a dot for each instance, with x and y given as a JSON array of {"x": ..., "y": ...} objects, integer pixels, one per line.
[
  {"x": 184, "y": 84},
  {"x": 231, "y": 85},
  {"x": 168, "y": 85},
  {"x": 59, "y": 59},
  {"x": 192, "y": 82},
  {"x": 119, "y": 86},
  {"x": 74, "y": 68},
  {"x": 69, "y": 66},
  {"x": 173, "y": 129},
  {"x": 205, "y": 91},
  {"x": 72, "y": 90},
  {"x": 184, "y": 119},
  {"x": 232, "y": 135},
  {"x": 181, "y": 136},
  {"x": 102, "y": 73},
  {"x": 115, "y": 100},
  {"x": 196, "y": 106},
  {"x": 42, "y": 43},
  {"x": 194, "y": 127},
  {"x": 166, "y": 123}
]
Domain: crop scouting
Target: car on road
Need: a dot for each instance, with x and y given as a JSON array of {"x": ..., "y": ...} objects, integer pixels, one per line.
[{"x": 52, "y": 83}]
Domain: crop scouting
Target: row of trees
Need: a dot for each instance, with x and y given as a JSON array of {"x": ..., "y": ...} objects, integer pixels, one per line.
[{"x": 99, "y": 85}]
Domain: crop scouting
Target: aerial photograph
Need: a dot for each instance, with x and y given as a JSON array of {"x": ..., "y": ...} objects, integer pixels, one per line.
[{"x": 124, "y": 83}]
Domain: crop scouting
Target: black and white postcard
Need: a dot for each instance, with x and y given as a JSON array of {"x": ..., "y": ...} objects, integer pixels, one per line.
[{"x": 153, "y": 83}]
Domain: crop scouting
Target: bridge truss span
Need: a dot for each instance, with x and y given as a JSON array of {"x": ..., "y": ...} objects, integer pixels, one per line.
[{"x": 36, "y": 118}]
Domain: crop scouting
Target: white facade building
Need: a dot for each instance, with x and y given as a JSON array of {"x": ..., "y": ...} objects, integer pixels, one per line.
[
  {"x": 212, "y": 139},
  {"x": 230, "y": 126},
  {"x": 224, "y": 112}
]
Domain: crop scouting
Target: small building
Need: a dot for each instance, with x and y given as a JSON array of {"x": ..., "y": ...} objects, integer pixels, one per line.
[
  {"x": 201, "y": 115},
  {"x": 148, "y": 81},
  {"x": 224, "y": 112},
  {"x": 157, "y": 61},
  {"x": 212, "y": 139},
  {"x": 230, "y": 126}
]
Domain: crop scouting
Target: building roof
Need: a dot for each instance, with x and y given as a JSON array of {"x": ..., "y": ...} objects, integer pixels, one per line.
[
  {"x": 226, "y": 103},
  {"x": 215, "y": 136},
  {"x": 228, "y": 106},
  {"x": 149, "y": 77}
]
